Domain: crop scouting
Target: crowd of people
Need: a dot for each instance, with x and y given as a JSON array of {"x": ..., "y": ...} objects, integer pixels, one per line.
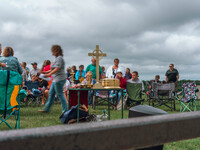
[{"x": 60, "y": 81}]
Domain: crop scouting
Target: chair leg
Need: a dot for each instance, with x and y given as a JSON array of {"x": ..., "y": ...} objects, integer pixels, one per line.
[
  {"x": 17, "y": 118},
  {"x": 174, "y": 105}
]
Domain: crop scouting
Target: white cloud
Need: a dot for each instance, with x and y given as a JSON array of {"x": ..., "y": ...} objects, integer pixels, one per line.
[{"x": 145, "y": 35}]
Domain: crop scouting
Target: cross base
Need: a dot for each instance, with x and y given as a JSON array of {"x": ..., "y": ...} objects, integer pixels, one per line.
[{"x": 97, "y": 86}]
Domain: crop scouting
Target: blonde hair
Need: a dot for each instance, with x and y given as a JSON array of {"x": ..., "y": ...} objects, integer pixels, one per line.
[{"x": 89, "y": 73}]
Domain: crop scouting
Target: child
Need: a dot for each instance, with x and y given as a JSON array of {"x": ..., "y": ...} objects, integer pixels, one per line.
[{"x": 43, "y": 87}]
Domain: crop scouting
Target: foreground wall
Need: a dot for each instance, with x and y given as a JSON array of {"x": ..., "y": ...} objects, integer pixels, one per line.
[{"x": 118, "y": 134}]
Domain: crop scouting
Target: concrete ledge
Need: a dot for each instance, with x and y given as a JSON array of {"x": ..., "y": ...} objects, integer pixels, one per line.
[{"x": 118, "y": 134}]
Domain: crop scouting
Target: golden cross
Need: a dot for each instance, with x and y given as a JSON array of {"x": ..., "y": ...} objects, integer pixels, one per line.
[{"x": 98, "y": 54}]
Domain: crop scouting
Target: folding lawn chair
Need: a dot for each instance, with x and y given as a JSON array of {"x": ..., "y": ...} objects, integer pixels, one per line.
[
  {"x": 134, "y": 92},
  {"x": 10, "y": 85},
  {"x": 189, "y": 100},
  {"x": 164, "y": 94},
  {"x": 102, "y": 97}
]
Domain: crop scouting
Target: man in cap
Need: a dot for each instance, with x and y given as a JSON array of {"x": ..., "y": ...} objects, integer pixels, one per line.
[{"x": 35, "y": 70}]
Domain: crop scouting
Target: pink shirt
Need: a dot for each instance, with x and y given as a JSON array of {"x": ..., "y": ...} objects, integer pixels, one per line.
[{"x": 47, "y": 68}]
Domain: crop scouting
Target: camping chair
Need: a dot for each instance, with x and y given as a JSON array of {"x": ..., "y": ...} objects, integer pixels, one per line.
[
  {"x": 102, "y": 97},
  {"x": 198, "y": 95},
  {"x": 34, "y": 94},
  {"x": 10, "y": 85},
  {"x": 134, "y": 92},
  {"x": 164, "y": 94},
  {"x": 189, "y": 97}
]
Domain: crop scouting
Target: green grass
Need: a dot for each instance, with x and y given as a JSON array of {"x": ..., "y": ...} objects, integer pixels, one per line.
[{"x": 31, "y": 118}]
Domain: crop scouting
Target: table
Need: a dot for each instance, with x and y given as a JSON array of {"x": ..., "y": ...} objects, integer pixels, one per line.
[{"x": 89, "y": 89}]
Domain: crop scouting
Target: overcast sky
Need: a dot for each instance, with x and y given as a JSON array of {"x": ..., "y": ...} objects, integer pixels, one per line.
[{"x": 146, "y": 35}]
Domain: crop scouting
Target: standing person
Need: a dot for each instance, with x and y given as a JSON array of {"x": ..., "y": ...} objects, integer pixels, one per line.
[
  {"x": 172, "y": 75},
  {"x": 128, "y": 74},
  {"x": 11, "y": 62},
  {"x": 59, "y": 77},
  {"x": 112, "y": 70},
  {"x": 35, "y": 69},
  {"x": 92, "y": 68}
]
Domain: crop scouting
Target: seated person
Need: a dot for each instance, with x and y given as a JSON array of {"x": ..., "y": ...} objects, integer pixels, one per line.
[
  {"x": 88, "y": 78},
  {"x": 123, "y": 83},
  {"x": 34, "y": 78},
  {"x": 128, "y": 74},
  {"x": 65, "y": 90},
  {"x": 103, "y": 72},
  {"x": 135, "y": 79},
  {"x": 30, "y": 86},
  {"x": 11, "y": 62},
  {"x": 86, "y": 81},
  {"x": 80, "y": 74},
  {"x": 24, "y": 74},
  {"x": 150, "y": 83},
  {"x": 43, "y": 87}
]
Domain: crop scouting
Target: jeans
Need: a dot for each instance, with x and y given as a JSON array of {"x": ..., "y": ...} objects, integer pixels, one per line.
[
  {"x": 56, "y": 88},
  {"x": 118, "y": 95}
]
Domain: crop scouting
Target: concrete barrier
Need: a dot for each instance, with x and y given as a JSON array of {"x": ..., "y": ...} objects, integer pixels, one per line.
[{"x": 118, "y": 134}]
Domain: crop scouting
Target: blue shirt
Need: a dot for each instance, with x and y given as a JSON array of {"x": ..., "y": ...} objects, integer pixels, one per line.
[
  {"x": 78, "y": 74},
  {"x": 12, "y": 63}
]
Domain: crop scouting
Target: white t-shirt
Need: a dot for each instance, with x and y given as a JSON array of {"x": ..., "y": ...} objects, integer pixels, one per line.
[{"x": 111, "y": 73}]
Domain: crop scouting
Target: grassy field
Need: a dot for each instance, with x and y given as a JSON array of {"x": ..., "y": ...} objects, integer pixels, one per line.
[{"x": 31, "y": 118}]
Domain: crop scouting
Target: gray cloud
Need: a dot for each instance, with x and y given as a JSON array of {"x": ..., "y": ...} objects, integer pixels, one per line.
[{"x": 145, "y": 35}]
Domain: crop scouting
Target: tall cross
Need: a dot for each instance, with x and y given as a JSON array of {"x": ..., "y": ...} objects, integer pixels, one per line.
[{"x": 98, "y": 54}]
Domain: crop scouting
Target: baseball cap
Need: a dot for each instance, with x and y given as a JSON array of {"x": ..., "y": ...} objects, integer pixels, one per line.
[{"x": 34, "y": 63}]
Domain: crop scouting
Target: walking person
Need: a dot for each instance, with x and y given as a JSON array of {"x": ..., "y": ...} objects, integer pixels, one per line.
[{"x": 59, "y": 77}]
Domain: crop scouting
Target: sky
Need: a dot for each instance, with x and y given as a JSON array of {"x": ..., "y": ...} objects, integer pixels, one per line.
[{"x": 146, "y": 35}]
